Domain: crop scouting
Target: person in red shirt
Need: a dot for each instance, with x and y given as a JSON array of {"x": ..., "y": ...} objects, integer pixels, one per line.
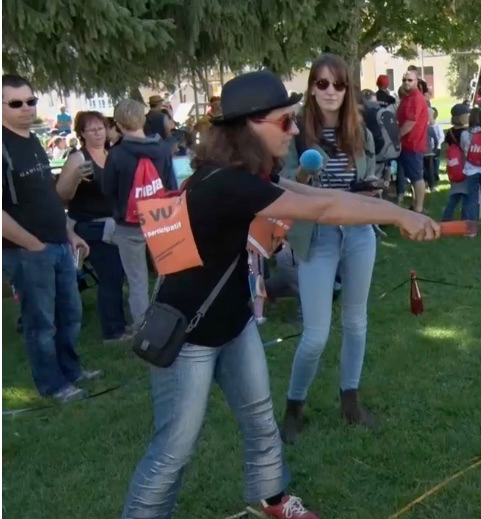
[{"x": 413, "y": 123}]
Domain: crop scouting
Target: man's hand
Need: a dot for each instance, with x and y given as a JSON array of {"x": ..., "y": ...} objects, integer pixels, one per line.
[
  {"x": 37, "y": 247},
  {"x": 76, "y": 242}
]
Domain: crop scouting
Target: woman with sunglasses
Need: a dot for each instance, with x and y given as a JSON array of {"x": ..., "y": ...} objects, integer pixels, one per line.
[
  {"x": 235, "y": 166},
  {"x": 330, "y": 122},
  {"x": 80, "y": 185}
]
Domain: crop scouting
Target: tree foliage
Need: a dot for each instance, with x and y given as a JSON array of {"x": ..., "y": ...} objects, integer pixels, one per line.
[
  {"x": 89, "y": 45},
  {"x": 118, "y": 45},
  {"x": 462, "y": 69}
]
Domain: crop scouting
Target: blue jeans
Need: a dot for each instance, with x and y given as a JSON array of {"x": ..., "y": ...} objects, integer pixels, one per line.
[
  {"x": 472, "y": 202},
  {"x": 437, "y": 163},
  {"x": 51, "y": 311},
  {"x": 353, "y": 249},
  {"x": 105, "y": 259},
  {"x": 181, "y": 394},
  {"x": 452, "y": 204}
]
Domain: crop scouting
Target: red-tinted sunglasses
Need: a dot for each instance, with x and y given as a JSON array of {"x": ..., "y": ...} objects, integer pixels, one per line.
[
  {"x": 285, "y": 122},
  {"x": 323, "y": 84}
]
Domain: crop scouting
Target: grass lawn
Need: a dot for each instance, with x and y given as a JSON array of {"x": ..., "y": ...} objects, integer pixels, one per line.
[
  {"x": 421, "y": 378},
  {"x": 443, "y": 106}
]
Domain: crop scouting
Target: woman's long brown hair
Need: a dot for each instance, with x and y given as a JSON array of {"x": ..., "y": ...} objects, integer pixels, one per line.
[
  {"x": 350, "y": 137},
  {"x": 233, "y": 144}
]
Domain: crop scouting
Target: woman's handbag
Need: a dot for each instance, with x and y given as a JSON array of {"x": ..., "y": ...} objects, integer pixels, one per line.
[{"x": 163, "y": 332}]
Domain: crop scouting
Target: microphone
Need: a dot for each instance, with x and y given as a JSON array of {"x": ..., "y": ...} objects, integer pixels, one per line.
[{"x": 310, "y": 162}]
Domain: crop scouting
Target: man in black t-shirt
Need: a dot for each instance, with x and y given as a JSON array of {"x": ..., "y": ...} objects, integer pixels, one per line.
[
  {"x": 383, "y": 97},
  {"x": 37, "y": 250}
]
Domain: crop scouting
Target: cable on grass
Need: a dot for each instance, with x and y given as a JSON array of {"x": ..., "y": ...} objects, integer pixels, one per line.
[
  {"x": 436, "y": 488},
  {"x": 14, "y": 412}
]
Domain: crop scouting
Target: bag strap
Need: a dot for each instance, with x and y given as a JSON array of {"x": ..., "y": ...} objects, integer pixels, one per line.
[
  {"x": 456, "y": 142},
  {"x": 11, "y": 186},
  {"x": 213, "y": 295}
]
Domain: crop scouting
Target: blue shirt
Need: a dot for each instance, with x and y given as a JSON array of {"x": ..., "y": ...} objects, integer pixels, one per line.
[{"x": 63, "y": 122}]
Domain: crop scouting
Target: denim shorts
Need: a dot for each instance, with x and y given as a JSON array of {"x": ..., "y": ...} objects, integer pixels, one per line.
[{"x": 413, "y": 166}]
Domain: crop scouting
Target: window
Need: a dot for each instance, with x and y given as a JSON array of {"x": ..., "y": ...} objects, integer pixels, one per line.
[{"x": 100, "y": 102}]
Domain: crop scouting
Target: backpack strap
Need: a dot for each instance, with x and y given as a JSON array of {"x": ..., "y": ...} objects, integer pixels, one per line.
[
  {"x": 367, "y": 151},
  {"x": 453, "y": 136},
  {"x": 11, "y": 185}
]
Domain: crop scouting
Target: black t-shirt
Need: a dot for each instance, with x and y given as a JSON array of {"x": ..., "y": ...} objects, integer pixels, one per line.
[
  {"x": 384, "y": 98},
  {"x": 39, "y": 209},
  {"x": 221, "y": 208},
  {"x": 89, "y": 203},
  {"x": 453, "y": 135}
]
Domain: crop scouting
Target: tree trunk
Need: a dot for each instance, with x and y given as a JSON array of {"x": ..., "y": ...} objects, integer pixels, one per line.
[
  {"x": 353, "y": 50},
  {"x": 221, "y": 74},
  {"x": 196, "y": 96},
  {"x": 356, "y": 72},
  {"x": 134, "y": 93}
]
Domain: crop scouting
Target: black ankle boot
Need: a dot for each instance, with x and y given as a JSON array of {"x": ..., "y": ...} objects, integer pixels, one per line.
[
  {"x": 352, "y": 410},
  {"x": 292, "y": 421}
]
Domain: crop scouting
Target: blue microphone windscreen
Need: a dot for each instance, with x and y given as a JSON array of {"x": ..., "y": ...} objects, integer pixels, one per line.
[{"x": 311, "y": 160}]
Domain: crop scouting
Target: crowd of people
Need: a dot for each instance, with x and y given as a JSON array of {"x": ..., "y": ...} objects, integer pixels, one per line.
[{"x": 245, "y": 166}]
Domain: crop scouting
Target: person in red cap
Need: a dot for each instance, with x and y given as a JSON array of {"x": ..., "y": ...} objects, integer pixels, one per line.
[{"x": 384, "y": 98}]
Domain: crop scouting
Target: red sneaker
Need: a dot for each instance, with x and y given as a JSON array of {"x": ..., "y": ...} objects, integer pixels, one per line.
[{"x": 289, "y": 508}]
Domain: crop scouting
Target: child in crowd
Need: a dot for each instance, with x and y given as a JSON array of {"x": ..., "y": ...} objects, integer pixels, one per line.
[
  {"x": 459, "y": 190},
  {"x": 440, "y": 136},
  {"x": 471, "y": 146},
  {"x": 73, "y": 145},
  {"x": 59, "y": 147}
]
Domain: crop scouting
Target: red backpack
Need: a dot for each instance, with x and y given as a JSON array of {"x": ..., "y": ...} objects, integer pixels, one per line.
[
  {"x": 474, "y": 150},
  {"x": 455, "y": 162},
  {"x": 147, "y": 185}
]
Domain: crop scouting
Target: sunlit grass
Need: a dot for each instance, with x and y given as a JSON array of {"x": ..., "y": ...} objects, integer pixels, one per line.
[{"x": 14, "y": 397}]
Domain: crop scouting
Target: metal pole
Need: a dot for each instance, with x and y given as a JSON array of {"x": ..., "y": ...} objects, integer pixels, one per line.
[{"x": 422, "y": 62}]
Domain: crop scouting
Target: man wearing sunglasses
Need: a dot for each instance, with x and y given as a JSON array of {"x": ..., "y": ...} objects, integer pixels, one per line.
[
  {"x": 38, "y": 250},
  {"x": 413, "y": 124}
]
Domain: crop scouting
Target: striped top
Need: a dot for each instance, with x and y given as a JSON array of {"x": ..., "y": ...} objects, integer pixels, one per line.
[{"x": 336, "y": 173}]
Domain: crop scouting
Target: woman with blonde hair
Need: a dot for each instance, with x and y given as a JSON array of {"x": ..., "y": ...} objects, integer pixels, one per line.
[{"x": 330, "y": 123}]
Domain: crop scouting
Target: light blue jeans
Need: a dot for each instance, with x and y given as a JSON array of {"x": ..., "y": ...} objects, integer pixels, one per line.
[
  {"x": 353, "y": 250},
  {"x": 180, "y": 395}
]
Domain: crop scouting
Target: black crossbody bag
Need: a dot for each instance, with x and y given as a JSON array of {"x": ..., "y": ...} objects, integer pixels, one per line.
[{"x": 164, "y": 329}]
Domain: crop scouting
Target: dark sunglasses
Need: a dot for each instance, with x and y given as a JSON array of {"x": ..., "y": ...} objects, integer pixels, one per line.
[
  {"x": 17, "y": 103},
  {"x": 285, "y": 122},
  {"x": 323, "y": 84},
  {"x": 406, "y": 80}
]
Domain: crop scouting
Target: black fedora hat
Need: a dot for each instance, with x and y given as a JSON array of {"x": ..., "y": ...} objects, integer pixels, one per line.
[{"x": 252, "y": 93}]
